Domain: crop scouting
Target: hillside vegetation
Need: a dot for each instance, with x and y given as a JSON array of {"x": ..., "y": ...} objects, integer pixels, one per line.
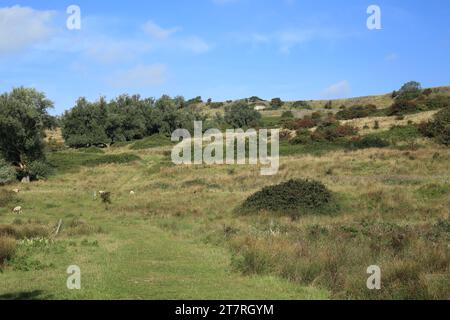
[{"x": 349, "y": 194}]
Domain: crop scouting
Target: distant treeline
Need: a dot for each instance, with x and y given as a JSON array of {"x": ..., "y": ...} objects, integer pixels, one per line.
[{"x": 125, "y": 118}]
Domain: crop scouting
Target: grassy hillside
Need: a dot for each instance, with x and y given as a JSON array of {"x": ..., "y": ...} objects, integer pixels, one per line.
[
  {"x": 179, "y": 232},
  {"x": 181, "y": 236}
]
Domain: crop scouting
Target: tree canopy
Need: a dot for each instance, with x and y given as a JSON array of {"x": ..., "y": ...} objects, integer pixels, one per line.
[
  {"x": 125, "y": 118},
  {"x": 23, "y": 118}
]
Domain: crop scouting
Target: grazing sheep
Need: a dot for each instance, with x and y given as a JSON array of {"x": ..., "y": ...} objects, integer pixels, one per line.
[
  {"x": 17, "y": 210},
  {"x": 132, "y": 193},
  {"x": 15, "y": 190}
]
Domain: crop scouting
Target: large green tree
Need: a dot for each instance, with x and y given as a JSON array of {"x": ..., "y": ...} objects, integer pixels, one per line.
[
  {"x": 85, "y": 124},
  {"x": 23, "y": 119},
  {"x": 241, "y": 115}
]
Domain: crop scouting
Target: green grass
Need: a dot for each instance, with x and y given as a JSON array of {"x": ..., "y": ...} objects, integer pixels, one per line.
[
  {"x": 151, "y": 142},
  {"x": 73, "y": 160}
]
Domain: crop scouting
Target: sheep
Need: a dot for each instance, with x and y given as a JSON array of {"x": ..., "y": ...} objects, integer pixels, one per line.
[
  {"x": 132, "y": 193},
  {"x": 15, "y": 190},
  {"x": 17, "y": 210}
]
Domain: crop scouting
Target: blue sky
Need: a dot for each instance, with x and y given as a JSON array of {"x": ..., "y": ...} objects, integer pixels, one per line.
[{"x": 223, "y": 49}]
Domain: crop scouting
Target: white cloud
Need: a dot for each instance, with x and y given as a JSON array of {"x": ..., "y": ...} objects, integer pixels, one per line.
[
  {"x": 338, "y": 90},
  {"x": 21, "y": 27},
  {"x": 194, "y": 44},
  {"x": 287, "y": 39},
  {"x": 140, "y": 76},
  {"x": 158, "y": 32}
]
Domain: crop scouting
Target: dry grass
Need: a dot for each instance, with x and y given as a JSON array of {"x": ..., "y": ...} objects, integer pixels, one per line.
[
  {"x": 385, "y": 123},
  {"x": 7, "y": 248}
]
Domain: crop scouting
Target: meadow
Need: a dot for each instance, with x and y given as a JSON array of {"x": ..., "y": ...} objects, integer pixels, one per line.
[{"x": 182, "y": 235}]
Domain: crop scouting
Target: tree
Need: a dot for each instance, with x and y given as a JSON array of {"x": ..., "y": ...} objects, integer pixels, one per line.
[
  {"x": 85, "y": 124},
  {"x": 276, "y": 103},
  {"x": 241, "y": 115},
  {"x": 23, "y": 118},
  {"x": 409, "y": 91}
]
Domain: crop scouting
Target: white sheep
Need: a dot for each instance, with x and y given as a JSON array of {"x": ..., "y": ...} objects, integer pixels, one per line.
[
  {"x": 15, "y": 190},
  {"x": 17, "y": 210},
  {"x": 132, "y": 193}
]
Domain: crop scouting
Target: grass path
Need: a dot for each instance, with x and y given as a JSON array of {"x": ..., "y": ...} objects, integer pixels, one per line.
[{"x": 147, "y": 263}]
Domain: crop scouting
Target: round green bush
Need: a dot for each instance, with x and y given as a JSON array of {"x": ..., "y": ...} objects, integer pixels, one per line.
[
  {"x": 7, "y": 173},
  {"x": 368, "y": 142},
  {"x": 39, "y": 170},
  {"x": 294, "y": 197}
]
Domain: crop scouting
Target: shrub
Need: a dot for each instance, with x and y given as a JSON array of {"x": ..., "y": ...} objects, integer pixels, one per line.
[
  {"x": 300, "y": 124},
  {"x": 301, "y": 104},
  {"x": 7, "y": 248},
  {"x": 240, "y": 115},
  {"x": 39, "y": 170},
  {"x": 296, "y": 197},
  {"x": 303, "y": 137},
  {"x": 287, "y": 114},
  {"x": 331, "y": 130},
  {"x": 401, "y": 107},
  {"x": 328, "y": 105},
  {"x": 356, "y": 112},
  {"x": 276, "y": 103},
  {"x": 409, "y": 91},
  {"x": 438, "y": 102},
  {"x": 369, "y": 142},
  {"x": 376, "y": 126},
  {"x": 7, "y": 173},
  {"x": 439, "y": 128}
]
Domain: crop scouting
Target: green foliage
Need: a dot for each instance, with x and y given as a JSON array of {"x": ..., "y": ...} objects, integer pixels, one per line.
[
  {"x": 437, "y": 102},
  {"x": 112, "y": 159},
  {"x": 287, "y": 114},
  {"x": 276, "y": 103},
  {"x": 84, "y": 125},
  {"x": 71, "y": 161},
  {"x": 409, "y": 91},
  {"x": 194, "y": 101},
  {"x": 296, "y": 197},
  {"x": 154, "y": 141},
  {"x": 355, "y": 112},
  {"x": 125, "y": 118},
  {"x": 370, "y": 142},
  {"x": 301, "y": 105},
  {"x": 23, "y": 118},
  {"x": 305, "y": 123},
  {"x": 402, "y": 106},
  {"x": 92, "y": 150},
  {"x": 439, "y": 127},
  {"x": 240, "y": 115},
  {"x": 331, "y": 130},
  {"x": 39, "y": 170},
  {"x": 7, "y": 173}
]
